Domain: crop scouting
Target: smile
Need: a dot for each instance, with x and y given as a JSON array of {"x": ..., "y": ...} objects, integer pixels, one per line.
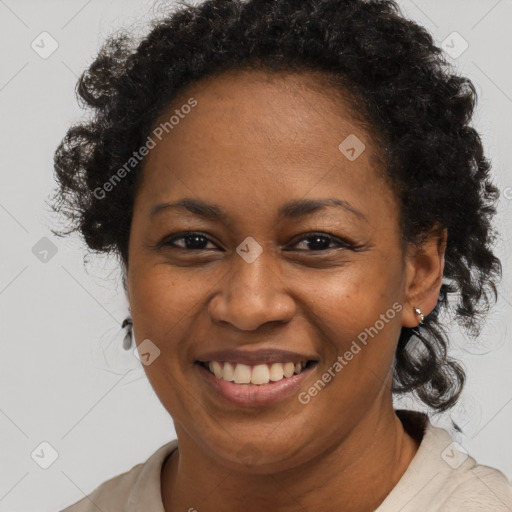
[
  {"x": 253, "y": 385},
  {"x": 258, "y": 374}
]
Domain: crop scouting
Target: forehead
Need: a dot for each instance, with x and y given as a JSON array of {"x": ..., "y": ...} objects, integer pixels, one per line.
[
  {"x": 261, "y": 137},
  {"x": 265, "y": 108}
]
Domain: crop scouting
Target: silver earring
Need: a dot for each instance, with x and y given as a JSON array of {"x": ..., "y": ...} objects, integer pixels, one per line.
[
  {"x": 127, "y": 341},
  {"x": 418, "y": 312}
]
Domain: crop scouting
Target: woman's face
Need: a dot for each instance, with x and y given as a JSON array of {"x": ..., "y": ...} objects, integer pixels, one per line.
[{"x": 252, "y": 283}]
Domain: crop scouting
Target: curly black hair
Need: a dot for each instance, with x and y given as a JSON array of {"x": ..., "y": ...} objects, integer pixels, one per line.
[{"x": 398, "y": 81}]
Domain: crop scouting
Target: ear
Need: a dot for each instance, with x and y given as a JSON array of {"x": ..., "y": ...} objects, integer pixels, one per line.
[{"x": 424, "y": 275}]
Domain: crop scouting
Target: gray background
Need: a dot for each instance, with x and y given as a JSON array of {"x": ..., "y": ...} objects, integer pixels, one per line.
[{"x": 56, "y": 386}]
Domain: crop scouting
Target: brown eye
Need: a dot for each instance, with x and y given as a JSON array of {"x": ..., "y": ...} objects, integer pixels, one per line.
[
  {"x": 191, "y": 241},
  {"x": 323, "y": 241}
]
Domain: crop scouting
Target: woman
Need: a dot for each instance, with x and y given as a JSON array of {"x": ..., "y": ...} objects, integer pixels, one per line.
[{"x": 294, "y": 192}]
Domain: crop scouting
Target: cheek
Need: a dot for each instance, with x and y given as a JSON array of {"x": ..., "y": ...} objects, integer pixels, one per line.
[
  {"x": 161, "y": 296},
  {"x": 360, "y": 329},
  {"x": 147, "y": 302},
  {"x": 352, "y": 298},
  {"x": 355, "y": 314},
  {"x": 159, "y": 303}
]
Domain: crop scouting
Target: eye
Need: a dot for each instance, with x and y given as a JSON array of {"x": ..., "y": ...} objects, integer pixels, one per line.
[
  {"x": 322, "y": 241},
  {"x": 192, "y": 241},
  {"x": 198, "y": 242}
]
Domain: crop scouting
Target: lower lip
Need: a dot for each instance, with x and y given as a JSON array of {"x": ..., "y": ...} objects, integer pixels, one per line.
[{"x": 253, "y": 395}]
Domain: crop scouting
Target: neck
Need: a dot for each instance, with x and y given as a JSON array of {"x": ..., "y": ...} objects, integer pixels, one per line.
[{"x": 354, "y": 475}]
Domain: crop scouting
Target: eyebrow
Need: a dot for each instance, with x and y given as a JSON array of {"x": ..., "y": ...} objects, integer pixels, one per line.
[{"x": 290, "y": 210}]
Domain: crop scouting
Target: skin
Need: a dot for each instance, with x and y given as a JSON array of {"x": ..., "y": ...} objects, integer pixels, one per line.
[{"x": 253, "y": 142}]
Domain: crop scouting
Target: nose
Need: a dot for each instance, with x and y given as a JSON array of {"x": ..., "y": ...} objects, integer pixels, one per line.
[{"x": 252, "y": 294}]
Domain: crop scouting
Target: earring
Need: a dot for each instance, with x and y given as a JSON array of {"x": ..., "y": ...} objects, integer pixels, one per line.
[
  {"x": 418, "y": 312},
  {"x": 127, "y": 341}
]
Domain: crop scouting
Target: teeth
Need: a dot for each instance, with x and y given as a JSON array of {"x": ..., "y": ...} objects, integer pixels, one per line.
[
  {"x": 276, "y": 372},
  {"x": 258, "y": 374},
  {"x": 242, "y": 374},
  {"x": 228, "y": 372},
  {"x": 216, "y": 369},
  {"x": 288, "y": 368}
]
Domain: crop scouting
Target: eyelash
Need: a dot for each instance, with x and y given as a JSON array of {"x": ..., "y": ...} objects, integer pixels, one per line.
[{"x": 342, "y": 244}]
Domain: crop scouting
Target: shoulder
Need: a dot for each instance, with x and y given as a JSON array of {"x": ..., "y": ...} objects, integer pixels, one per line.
[
  {"x": 141, "y": 482},
  {"x": 478, "y": 489},
  {"x": 443, "y": 477},
  {"x": 112, "y": 492}
]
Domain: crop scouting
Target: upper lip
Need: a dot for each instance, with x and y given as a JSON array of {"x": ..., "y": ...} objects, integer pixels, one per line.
[{"x": 253, "y": 357}]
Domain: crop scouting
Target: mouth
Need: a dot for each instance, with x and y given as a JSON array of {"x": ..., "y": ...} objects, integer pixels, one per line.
[
  {"x": 258, "y": 374},
  {"x": 254, "y": 385}
]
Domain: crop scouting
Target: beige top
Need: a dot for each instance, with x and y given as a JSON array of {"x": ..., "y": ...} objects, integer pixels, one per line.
[{"x": 440, "y": 478}]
